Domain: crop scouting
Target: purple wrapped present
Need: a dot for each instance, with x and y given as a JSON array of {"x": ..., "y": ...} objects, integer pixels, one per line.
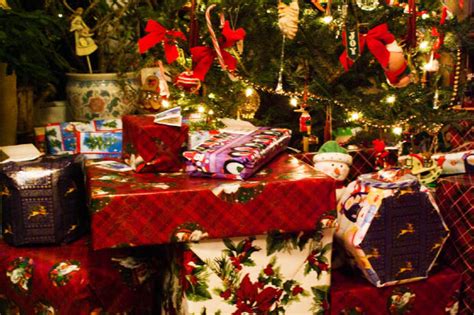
[
  {"x": 236, "y": 156},
  {"x": 43, "y": 200}
]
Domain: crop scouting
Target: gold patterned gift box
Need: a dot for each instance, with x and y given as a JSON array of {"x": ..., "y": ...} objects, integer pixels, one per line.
[
  {"x": 42, "y": 200},
  {"x": 391, "y": 227}
]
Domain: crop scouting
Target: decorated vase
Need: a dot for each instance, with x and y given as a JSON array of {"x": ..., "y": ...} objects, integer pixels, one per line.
[{"x": 101, "y": 95}]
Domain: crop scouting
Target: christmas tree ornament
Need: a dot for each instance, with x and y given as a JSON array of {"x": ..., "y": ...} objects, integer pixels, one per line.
[
  {"x": 305, "y": 121},
  {"x": 333, "y": 160},
  {"x": 288, "y": 18},
  {"x": 158, "y": 34},
  {"x": 4, "y": 5},
  {"x": 250, "y": 106},
  {"x": 368, "y": 5},
  {"x": 150, "y": 99},
  {"x": 203, "y": 56},
  {"x": 382, "y": 44},
  {"x": 279, "y": 87},
  {"x": 187, "y": 81},
  {"x": 85, "y": 44}
]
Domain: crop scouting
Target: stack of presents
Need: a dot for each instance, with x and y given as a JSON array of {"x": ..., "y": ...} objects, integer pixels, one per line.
[{"x": 134, "y": 216}]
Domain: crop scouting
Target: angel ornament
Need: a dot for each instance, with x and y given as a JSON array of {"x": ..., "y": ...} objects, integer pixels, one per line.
[{"x": 85, "y": 45}]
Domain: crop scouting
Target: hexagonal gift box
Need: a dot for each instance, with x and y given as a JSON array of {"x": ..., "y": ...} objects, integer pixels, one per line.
[{"x": 391, "y": 227}]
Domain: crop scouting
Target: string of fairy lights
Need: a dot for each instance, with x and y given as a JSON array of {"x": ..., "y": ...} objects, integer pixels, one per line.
[{"x": 294, "y": 97}]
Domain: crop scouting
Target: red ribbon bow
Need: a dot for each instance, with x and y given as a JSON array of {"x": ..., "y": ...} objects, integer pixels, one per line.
[
  {"x": 157, "y": 34},
  {"x": 375, "y": 39},
  {"x": 203, "y": 56}
]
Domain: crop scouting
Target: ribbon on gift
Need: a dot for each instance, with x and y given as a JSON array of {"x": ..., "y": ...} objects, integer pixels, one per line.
[
  {"x": 157, "y": 33},
  {"x": 203, "y": 56},
  {"x": 376, "y": 40}
]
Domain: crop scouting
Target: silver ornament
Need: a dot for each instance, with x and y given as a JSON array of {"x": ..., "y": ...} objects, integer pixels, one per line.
[{"x": 368, "y": 5}]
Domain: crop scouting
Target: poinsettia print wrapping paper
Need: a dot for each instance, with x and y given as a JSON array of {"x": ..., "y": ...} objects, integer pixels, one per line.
[
  {"x": 73, "y": 279},
  {"x": 136, "y": 209},
  {"x": 274, "y": 273}
]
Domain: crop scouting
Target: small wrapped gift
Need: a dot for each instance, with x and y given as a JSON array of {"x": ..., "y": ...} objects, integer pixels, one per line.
[
  {"x": 43, "y": 200},
  {"x": 456, "y": 162},
  {"x": 236, "y": 156},
  {"x": 100, "y": 138},
  {"x": 152, "y": 147}
]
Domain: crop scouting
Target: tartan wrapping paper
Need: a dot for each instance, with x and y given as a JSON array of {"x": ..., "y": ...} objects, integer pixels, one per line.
[
  {"x": 288, "y": 273},
  {"x": 73, "y": 279},
  {"x": 457, "y": 134},
  {"x": 143, "y": 209},
  {"x": 437, "y": 295},
  {"x": 455, "y": 197},
  {"x": 150, "y": 147}
]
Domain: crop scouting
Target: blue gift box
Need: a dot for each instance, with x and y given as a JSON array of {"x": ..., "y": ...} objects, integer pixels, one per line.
[{"x": 96, "y": 139}]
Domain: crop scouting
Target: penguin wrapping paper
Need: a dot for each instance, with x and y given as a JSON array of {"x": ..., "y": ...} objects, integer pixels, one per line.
[
  {"x": 391, "y": 227},
  {"x": 236, "y": 156}
]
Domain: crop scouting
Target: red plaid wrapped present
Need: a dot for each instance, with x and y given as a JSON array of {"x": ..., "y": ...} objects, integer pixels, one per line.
[
  {"x": 455, "y": 198},
  {"x": 457, "y": 134},
  {"x": 73, "y": 279},
  {"x": 150, "y": 147},
  {"x": 365, "y": 161},
  {"x": 140, "y": 209},
  {"x": 439, "y": 294}
]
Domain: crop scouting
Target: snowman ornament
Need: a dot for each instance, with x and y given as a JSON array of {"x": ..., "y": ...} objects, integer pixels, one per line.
[{"x": 333, "y": 160}]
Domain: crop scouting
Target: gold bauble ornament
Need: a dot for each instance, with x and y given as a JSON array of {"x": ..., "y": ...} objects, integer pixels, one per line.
[{"x": 249, "y": 106}]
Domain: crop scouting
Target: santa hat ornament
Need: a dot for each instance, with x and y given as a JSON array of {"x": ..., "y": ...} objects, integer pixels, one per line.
[{"x": 333, "y": 160}]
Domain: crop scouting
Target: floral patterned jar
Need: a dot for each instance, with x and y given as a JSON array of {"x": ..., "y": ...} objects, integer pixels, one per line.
[{"x": 101, "y": 95}]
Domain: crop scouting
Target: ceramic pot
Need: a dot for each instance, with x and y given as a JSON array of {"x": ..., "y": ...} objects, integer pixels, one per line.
[{"x": 101, "y": 95}]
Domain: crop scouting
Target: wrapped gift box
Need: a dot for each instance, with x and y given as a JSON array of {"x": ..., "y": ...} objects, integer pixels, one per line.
[
  {"x": 139, "y": 209},
  {"x": 456, "y": 162},
  {"x": 284, "y": 273},
  {"x": 391, "y": 227},
  {"x": 437, "y": 295},
  {"x": 151, "y": 147},
  {"x": 72, "y": 279},
  {"x": 236, "y": 156},
  {"x": 100, "y": 138},
  {"x": 365, "y": 161},
  {"x": 455, "y": 197},
  {"x": 43, "y": 200}
]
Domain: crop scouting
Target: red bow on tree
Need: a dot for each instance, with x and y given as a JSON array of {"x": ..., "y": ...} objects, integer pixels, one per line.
[
  {"x": 158, "y": 34},
  {"x": 376, "y": 41},
  {"x": 204, "y": 56}
]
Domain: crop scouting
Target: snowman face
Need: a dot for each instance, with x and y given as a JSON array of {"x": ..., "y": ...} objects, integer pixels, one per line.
[{"x": 336, "y": 170}]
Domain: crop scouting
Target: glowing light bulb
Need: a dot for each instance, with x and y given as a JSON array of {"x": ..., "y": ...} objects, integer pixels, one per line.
[
  {"x": 424, "y": 45},
  {"x": 210, "y": 112},
  {"x": 165, "y": 103},
  {"x": 60, "y": 15},
  {"x": 294, "y": 102},
  {"x": 201, "y": 109},
  {"x": 424, "y": 16},
  {"x": 327, "y": 19},
  {"x": 391, "y": 99},
  {"x": 397, "y": 130},
  {"x": 248, "y": 91},
  {"x": 211, "y": 96},
  {"x": 355, "y": 116}
]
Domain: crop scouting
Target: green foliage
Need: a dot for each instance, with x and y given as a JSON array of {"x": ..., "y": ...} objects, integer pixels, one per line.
[
  {"x": 312, "y": 58},
  {"x": 29, "y": 43}
]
